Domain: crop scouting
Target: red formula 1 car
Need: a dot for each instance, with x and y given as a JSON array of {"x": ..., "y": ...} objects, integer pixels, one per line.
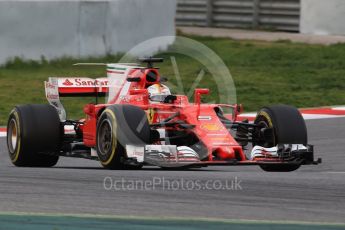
[{"x": 144, "y": 124}]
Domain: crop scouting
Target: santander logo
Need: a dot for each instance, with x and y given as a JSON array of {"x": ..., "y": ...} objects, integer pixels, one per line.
[
  {"x": 83, "y": 82},
  {"x": 67, "y": 83}
]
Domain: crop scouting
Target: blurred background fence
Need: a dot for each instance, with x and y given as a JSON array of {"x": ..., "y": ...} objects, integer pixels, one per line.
[{"x": 281, "y": 15}]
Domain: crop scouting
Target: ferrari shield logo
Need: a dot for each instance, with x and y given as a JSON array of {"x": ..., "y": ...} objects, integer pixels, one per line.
[{"x": 150, "y": 115}]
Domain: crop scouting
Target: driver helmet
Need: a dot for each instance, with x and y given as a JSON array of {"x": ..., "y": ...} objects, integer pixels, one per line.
[{"x": 158, "y": 92}]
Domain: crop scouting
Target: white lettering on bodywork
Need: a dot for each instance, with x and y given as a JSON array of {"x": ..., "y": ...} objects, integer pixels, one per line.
[{"x": 82, "y": 82}]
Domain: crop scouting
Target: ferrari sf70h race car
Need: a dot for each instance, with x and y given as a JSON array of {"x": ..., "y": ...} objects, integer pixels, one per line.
[{"x": 143, "y": 123}]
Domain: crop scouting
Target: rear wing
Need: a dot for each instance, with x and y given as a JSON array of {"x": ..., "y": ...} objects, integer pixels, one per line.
[
  {"x": 115, "y": 84},
  {"x": 79, "y": 86}
]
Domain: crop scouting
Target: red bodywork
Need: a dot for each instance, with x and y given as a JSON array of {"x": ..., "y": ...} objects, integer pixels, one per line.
[
  {"x": 221, "y": 146},
  {"x": 208, "y": 128}
]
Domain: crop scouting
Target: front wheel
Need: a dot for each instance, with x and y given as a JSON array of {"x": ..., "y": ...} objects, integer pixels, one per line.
[
  {"x": 288, "y": 127},
  {"x": 118, "y": 126}
]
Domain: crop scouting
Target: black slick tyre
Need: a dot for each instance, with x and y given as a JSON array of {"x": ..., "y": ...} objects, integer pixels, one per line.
[
  {"x": 118, "y": 126},
  {"x": 34, "y": 136},
  {"x": 288, "y": 128}
]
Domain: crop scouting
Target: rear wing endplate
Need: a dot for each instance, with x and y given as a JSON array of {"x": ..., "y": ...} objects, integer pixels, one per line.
[{"x": 80, "y": 86}]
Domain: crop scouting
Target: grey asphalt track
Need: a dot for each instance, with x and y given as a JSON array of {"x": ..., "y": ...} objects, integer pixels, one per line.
[{"x": 76, "y": 186}]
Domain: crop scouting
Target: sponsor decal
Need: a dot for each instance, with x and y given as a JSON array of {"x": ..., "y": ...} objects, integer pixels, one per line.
[
  {"x": 268, "y": 118},
  {"x": 150, "y": 115},
  {"x": 67, "y": 82},
  {"x": 204, "y": 118},
  {"x": 52, "y": 95},
  {"x": 50, "y": 85},
  {"x": 136, "y": 152},
  {"x": 51, "y": 91},
  {"x": 116, "y": 70},
  {"x": 83, "y": 82},
  {"x": 211, "y": 127},
  {"x": 220, "y": 138}
]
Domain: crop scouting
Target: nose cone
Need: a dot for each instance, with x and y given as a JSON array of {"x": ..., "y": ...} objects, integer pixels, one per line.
[{"x": 224, "y": 153}]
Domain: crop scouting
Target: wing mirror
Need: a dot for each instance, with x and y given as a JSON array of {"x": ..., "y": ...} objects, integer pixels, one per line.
[
  {"x": 198, "y": 93},
  {"x": 197, "y": 98},
  {"x": 238, "y": 109}
]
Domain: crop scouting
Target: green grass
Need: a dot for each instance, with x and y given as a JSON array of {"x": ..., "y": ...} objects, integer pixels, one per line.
[{"x": 264, "y": 73}]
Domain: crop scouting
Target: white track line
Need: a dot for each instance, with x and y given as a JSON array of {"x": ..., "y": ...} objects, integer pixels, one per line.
[
  {"x": 305, "y": 116},
  {"x": 319, "y": 116},
  {"x": 339, "y": 108}
]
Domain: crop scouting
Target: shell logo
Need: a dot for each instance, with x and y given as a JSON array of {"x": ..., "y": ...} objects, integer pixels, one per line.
[{"x": 211, "y": 127}]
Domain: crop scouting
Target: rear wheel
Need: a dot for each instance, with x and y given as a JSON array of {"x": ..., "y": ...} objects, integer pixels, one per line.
[
  {"x": 118, "y": 126},
  {"x": 34, "y": 136},
  {"x": 288, "y": 127}
]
